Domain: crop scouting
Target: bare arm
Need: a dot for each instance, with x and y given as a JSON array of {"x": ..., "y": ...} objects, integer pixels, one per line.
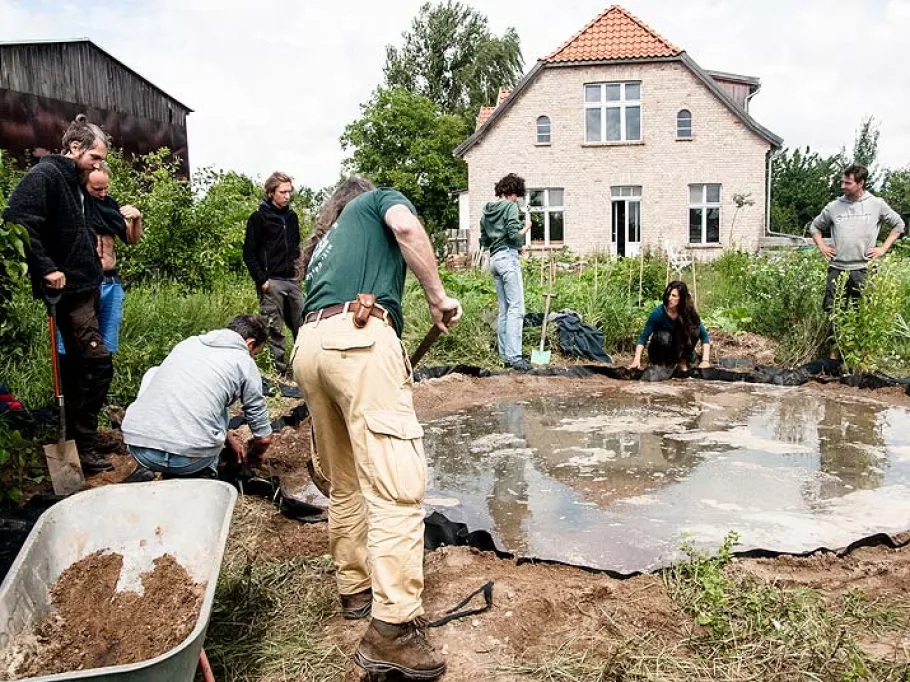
[
  {"x": 418, "y": 254},
  {"x": 636, "y": 363},
  {"x": 134, "y": 227},
  {"x": 523, "y": 231},
  {"x": 705, "y": 355},
  {"x": 827, "y": 251},
  {"x": 878, "y": 251}
]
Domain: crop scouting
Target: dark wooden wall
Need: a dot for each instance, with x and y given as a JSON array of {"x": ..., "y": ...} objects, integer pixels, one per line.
[
  {"x": 34, "y": 125},
  {"x": 738, "y": 91},
  {"x": 81, "y": 73},
  {"x": 44, "y": 85}
]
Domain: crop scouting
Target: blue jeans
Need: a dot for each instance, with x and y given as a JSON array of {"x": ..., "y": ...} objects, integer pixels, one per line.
[
  {"x": 506, "y": 269},
  {"x": 169, "y": 463},
  {"x": 110, "y": 314}
]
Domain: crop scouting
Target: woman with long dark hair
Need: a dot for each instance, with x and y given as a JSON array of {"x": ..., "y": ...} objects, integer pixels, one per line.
[{"x": 674, "y": 329}]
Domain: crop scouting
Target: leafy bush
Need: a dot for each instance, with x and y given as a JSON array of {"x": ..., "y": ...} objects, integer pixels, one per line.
[
  {"x": 866, "y": 330},
  {"x": 20, "y": 464}
]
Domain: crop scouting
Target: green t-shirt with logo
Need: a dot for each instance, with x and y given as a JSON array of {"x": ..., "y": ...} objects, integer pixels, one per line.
[{"x": 360, "y": 255}]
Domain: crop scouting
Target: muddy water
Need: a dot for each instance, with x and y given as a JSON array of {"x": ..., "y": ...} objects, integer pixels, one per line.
[{"x": 617, "y": 481}]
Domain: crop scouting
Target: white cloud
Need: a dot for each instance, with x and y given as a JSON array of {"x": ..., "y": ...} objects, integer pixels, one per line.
[{"x": 274, "y": 89}]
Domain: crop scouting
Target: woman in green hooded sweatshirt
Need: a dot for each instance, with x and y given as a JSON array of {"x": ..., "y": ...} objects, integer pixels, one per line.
[{"x": 501, "y": 231}]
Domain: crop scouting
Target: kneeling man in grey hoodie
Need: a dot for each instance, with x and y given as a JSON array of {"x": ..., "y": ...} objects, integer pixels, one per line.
[{"x": 178, "y": 424}]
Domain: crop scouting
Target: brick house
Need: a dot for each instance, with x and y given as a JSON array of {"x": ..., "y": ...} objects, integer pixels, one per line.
[{"x": 625, "y": 143}]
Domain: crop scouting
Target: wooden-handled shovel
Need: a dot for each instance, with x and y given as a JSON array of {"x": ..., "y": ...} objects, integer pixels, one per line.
[{"x": 62, "y": 457}]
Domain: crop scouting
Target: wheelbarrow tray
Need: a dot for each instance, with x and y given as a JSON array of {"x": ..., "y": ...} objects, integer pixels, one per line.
[{"x": 187, "y": 519}]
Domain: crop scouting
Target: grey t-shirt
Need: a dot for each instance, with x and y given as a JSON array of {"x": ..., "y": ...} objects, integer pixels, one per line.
[{"x": 854, "y": 228}]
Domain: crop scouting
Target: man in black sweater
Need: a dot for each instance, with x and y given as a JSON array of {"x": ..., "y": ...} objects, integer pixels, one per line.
[
  {"x": 270, "y": 250},
  {"x": 62, "y": 259}
]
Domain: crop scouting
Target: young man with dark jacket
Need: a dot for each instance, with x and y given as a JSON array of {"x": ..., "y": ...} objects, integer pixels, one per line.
[
  {"x": 270, "y": 250},
  {"x": 62, "y": 259}
]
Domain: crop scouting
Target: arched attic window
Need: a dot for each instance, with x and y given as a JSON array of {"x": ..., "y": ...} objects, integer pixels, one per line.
[
  {"x": 543, "y": 130},
  {"x": 684, "y": 125}
]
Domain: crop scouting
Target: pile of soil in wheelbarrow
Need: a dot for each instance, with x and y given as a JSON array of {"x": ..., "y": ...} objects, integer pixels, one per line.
[{"x": 92, "y": 625}]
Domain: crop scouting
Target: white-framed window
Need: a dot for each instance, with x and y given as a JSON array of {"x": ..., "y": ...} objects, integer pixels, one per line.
[
  {"x": 704, "y": 214},
  {"x": 547, "y": 210},
  {"x": 613, "y": 112},
  {"x": 543, "y": 130},
  {"x": 684, "y": 125}
]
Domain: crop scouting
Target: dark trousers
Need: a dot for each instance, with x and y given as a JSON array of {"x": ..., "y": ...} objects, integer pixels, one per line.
[
  {"x": 855, "y": 281},
  {"x": 662, "y": 350},
  {"x": 87, "y": 369},
  {"x": 281, "y": 305}
]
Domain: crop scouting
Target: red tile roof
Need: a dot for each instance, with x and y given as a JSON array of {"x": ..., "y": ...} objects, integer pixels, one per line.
[
  {"x": 615, "y": 34},
  {"x": 485, "y": 113}
]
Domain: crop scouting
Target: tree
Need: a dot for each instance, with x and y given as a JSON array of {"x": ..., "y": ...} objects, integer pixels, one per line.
[
  {"x": 801, "y": 183},
  {"x": 865, "y": 150},
  {"x": 895, "y": 190},
  {"x": 450, "y": 57},
  {"x": 402, "y": 140}
]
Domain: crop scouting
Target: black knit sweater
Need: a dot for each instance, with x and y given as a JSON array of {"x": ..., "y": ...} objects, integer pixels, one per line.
[{"x": 49, "y": 203}]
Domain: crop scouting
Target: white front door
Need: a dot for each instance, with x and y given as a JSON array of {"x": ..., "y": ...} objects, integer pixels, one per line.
[{"x": 626, "y": 219}]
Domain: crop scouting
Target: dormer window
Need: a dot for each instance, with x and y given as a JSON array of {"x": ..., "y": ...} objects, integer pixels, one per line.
[
  {"x": 684, "y": 125},
  {"x": 543, "y": 130}
]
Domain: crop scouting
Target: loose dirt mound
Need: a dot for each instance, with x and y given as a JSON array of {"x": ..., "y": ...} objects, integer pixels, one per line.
[{"x": 92, "y": 625}]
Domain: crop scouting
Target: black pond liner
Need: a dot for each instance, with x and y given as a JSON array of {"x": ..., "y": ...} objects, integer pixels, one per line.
[
  {"x": 439, "y": 530},
  {"x": 726, "y": 369}
]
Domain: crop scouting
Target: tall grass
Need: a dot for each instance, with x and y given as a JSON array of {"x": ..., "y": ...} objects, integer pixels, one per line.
[
  {"x": 778, "y": 296},
  {"x": 155, "y": 318}
]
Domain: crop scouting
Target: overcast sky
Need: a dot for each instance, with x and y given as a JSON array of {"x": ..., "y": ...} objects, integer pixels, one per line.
[{"x": 274, "y": 87}]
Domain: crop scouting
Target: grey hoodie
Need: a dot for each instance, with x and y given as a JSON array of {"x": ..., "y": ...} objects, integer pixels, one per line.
[
  {"x": 182, "y": 407},
  {"x": 854, "y": 228}
]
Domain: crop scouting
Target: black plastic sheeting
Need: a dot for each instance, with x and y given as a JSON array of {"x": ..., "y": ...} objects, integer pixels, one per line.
[
  {"x": 576, "y": 339},
  {"x": 727, "y": 369},
  {"x": 440, "y": 531}
]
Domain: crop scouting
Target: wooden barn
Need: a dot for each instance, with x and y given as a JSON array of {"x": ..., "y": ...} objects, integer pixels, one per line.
[{"x": 43, "y": 85}]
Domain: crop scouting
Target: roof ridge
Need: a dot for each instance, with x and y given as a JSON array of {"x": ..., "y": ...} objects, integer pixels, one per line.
[
  {"x": 647, "y": 27},
  {"x": 579, "y": 33},
  {"x": 660, "y": 45}
]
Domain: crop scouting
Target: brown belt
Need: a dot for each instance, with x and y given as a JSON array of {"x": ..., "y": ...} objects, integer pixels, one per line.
[{"x": 348, "y": 307}]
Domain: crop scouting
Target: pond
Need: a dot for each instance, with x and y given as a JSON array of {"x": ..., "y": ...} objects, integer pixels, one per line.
[{"x": 617, "y": 480}]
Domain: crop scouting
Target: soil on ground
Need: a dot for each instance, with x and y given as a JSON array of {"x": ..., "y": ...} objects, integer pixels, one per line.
[
  {"x": 92, "y": 625},
  {"x": 538, "y": 607}
]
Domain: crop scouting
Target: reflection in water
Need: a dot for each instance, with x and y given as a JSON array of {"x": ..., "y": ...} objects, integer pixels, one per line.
[{"x": 615, "y": 481}]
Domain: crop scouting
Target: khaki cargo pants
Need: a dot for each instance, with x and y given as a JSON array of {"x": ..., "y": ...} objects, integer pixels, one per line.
[{"x": 357, "y": 384}]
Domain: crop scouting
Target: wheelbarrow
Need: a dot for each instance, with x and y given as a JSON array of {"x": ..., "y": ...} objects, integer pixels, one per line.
[{"x": 187, "y": 519}]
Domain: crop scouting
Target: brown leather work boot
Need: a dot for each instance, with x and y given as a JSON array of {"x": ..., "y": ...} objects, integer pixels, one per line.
[
  {"x": 388, "y": 647},
  {"x": 357, "y": 605}
]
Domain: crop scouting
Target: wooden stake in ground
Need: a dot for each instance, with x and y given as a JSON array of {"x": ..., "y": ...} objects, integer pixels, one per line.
[
  {"x": 694, "y": 284},
  {"x": 629, "y": 294},
  {"x": 641, "y": 274}
]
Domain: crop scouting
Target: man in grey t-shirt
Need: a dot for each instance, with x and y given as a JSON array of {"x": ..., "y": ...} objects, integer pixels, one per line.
[{"x": 853, "y": 220}]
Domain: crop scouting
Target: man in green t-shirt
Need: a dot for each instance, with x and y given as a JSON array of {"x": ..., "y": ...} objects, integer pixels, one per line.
[{"x": 356, "y": 379}]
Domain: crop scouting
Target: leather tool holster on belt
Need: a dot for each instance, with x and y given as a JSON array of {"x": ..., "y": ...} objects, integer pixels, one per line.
[{"x": 365, "y": 307}]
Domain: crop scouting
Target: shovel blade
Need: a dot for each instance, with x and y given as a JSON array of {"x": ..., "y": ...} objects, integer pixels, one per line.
[
  {"x": 540, "y": 357},
  {"x": 65, "y": 468}
]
